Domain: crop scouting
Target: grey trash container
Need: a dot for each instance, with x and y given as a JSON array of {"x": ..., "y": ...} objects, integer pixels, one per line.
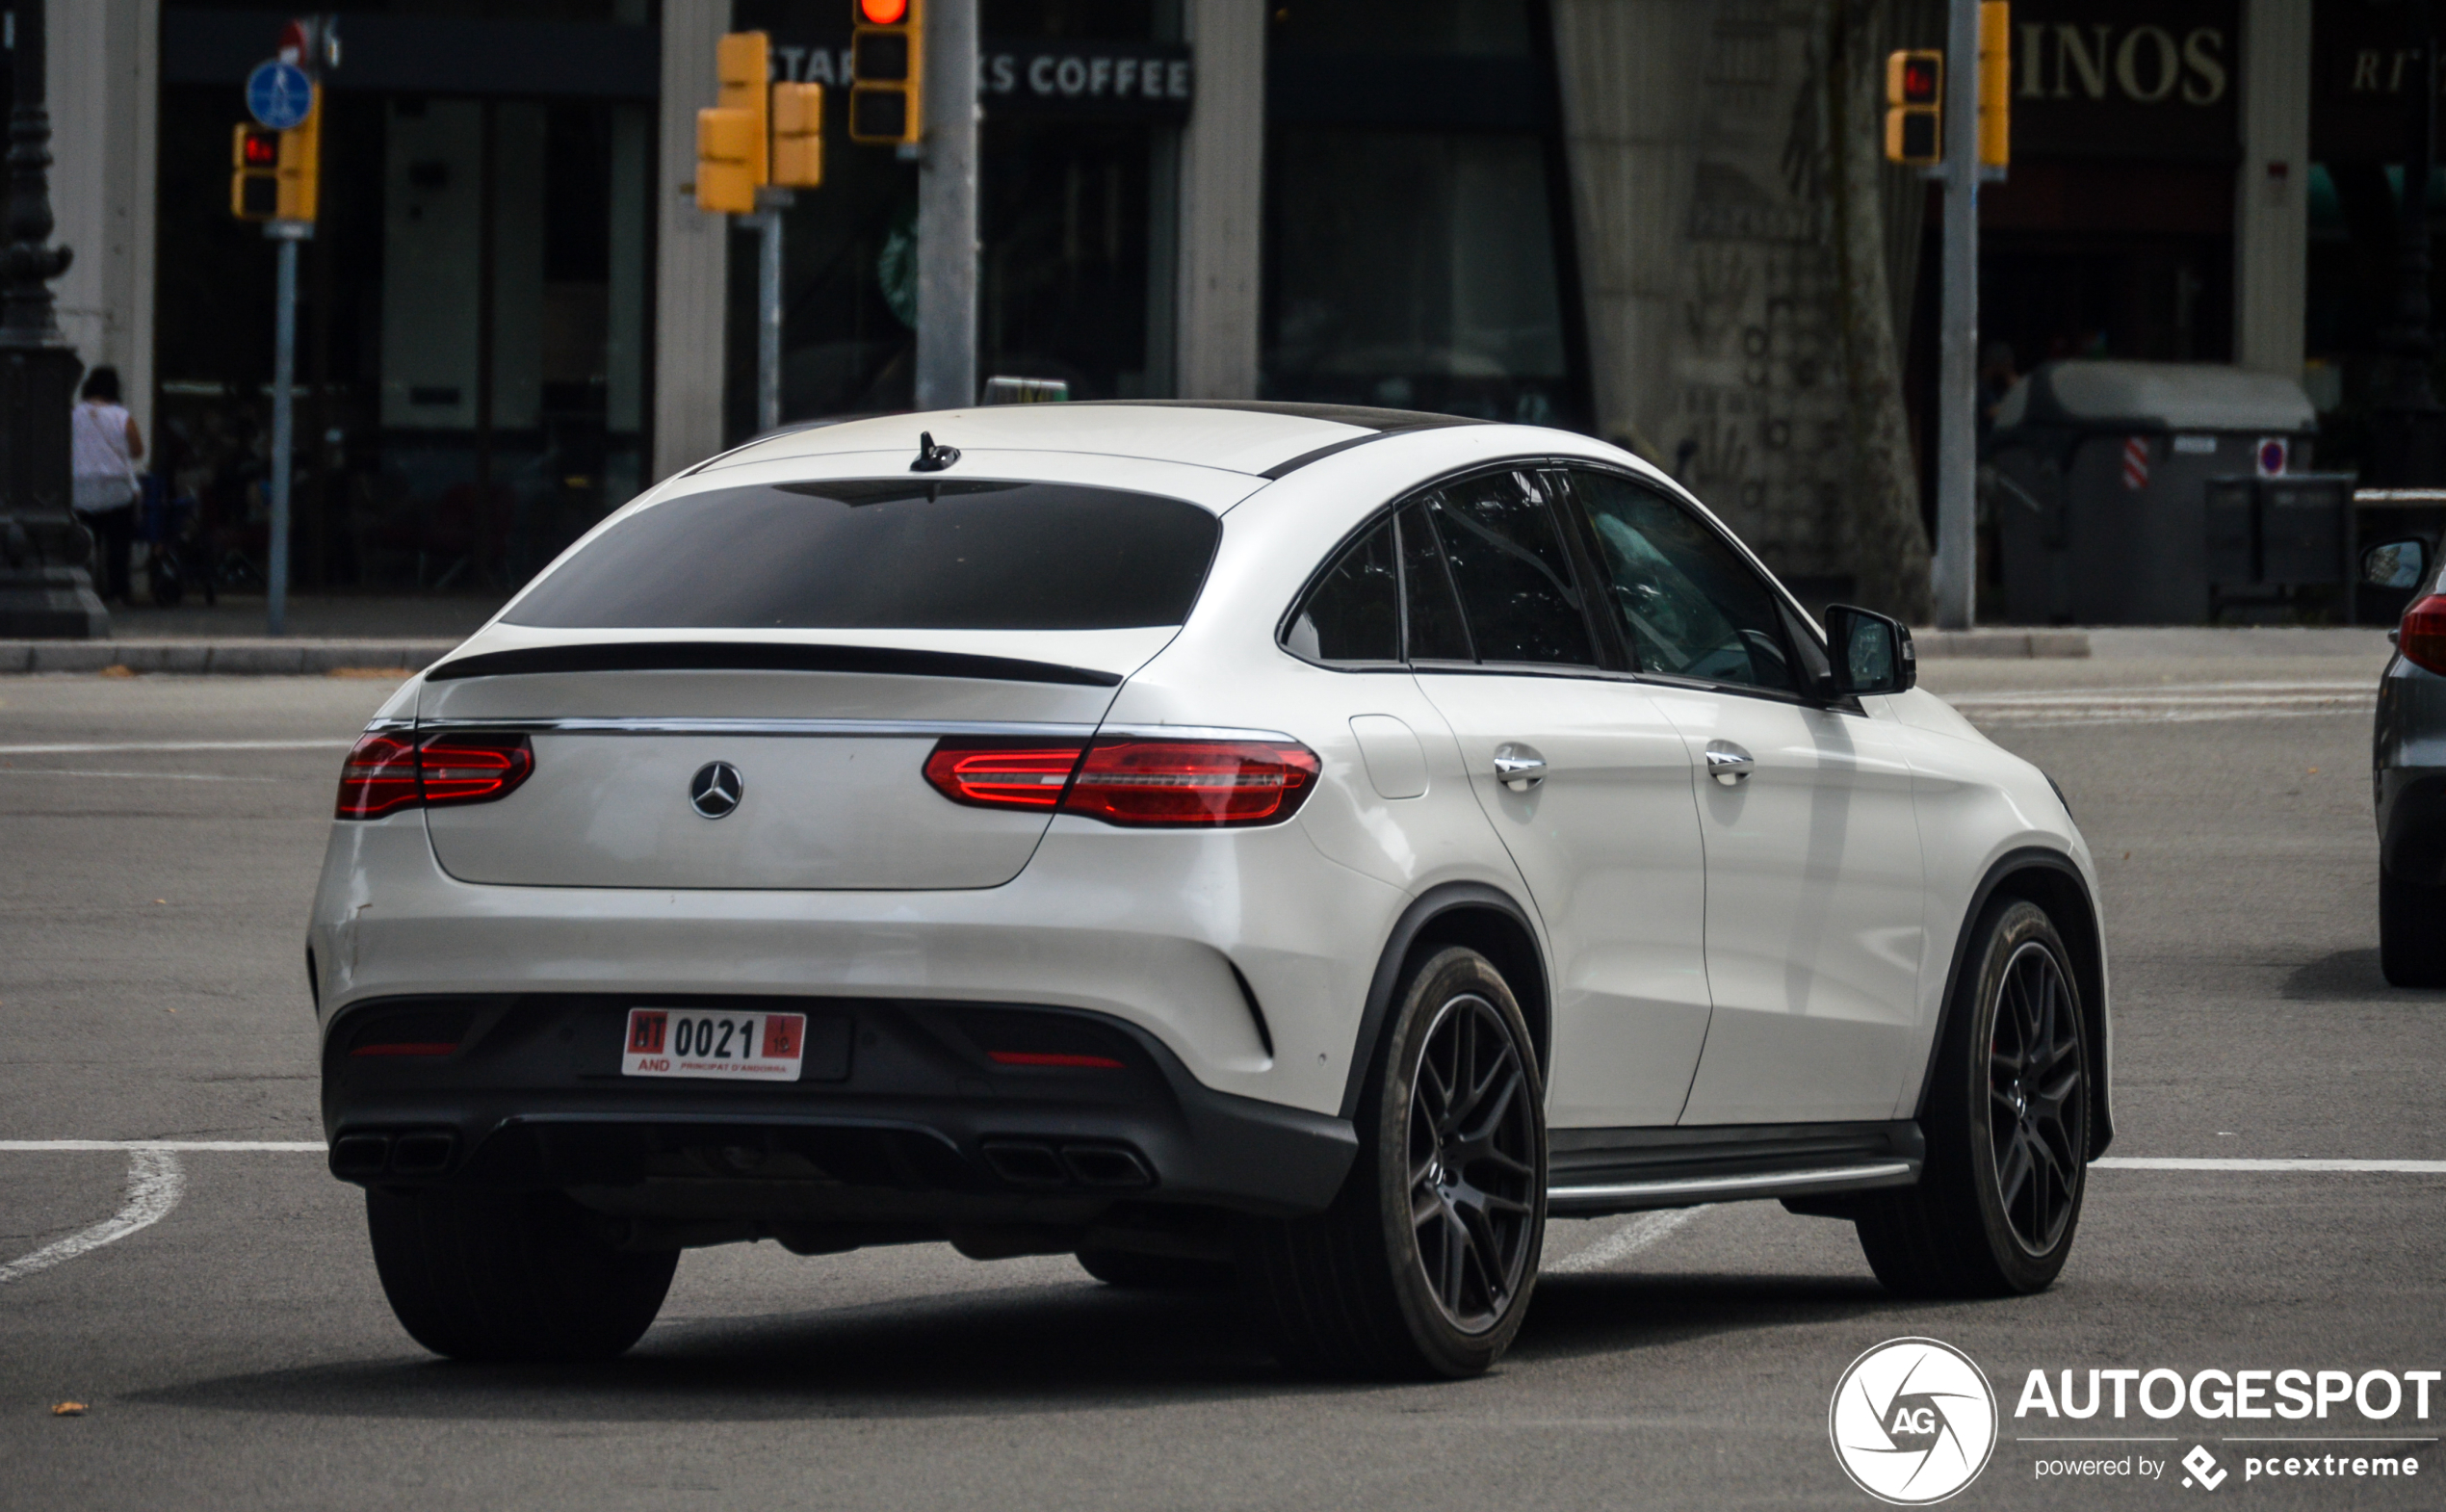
[{"x": 2101, "y": 480}]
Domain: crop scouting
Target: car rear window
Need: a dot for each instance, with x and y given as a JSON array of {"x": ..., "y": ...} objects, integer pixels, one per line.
[{"x": 887, "y": 553}]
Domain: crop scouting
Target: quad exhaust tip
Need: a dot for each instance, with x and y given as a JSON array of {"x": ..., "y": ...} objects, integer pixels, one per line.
[
  {"x": 415, "y": 1152},
  {"x": 1035, "y": 1164}
]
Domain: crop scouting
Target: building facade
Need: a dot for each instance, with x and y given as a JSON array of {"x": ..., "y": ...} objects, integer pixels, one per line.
[{"x": 1610, "y": 215}]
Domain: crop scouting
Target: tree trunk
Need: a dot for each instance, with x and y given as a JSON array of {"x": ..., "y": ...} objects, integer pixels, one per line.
[{"x": 1888, "y": 547}]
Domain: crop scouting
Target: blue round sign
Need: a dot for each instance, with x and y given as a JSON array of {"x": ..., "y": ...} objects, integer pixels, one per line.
[{"x": 280, "y": 95}]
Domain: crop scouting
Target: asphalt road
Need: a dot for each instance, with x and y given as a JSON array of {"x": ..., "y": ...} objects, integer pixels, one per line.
[{"x": 236, "y": 1351}]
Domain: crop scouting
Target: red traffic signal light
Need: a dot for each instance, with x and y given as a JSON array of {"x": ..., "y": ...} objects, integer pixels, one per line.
[
  {"x": 259, "y": 149},
  {"x": 883, "y": 12},
  {"x": 1921, "y": 79}
]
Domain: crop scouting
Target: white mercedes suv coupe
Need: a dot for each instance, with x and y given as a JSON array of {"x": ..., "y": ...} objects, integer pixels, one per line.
[{"x": 1284, "y": 845}]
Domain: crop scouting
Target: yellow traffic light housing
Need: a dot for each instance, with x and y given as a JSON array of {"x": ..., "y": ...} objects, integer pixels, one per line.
[
  {"x": 1914, "y": 106},
  {"x": 732, "y": 156},
  {"x": 254, "y": 179},
  {"x": 1996, "y": 83},
  {"x": 887, "y": 70},
  {"x": 276, "y": 175},
  {"x": 797, "y": 118}
]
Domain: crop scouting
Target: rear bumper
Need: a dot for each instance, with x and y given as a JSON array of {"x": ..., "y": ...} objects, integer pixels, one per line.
[{"x": 913, "y": 1127}]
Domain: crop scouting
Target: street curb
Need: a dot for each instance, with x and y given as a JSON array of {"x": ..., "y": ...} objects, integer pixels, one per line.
[
  {"x": 1999, "y": 645},
  {"x": 264, "y": 658}
]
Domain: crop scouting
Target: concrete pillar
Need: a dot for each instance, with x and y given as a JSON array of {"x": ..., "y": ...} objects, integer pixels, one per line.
[
  {"x": 105, "y": 88},
  {"x": 1222, "y": 194},
  {"x": 2271, "y": 198},
  {"x": 691, "y": 261}
]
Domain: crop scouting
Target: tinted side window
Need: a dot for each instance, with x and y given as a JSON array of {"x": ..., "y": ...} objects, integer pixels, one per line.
[
  {"x": 1434, "y": 614},
  {"x": 1687, "y": 603},
  {"x": 888, "y": 554},
  {"x": 1515, "y": 578},
  {"x": 1354, "y": 613}
]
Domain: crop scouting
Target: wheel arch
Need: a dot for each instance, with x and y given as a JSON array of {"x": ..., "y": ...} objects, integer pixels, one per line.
[
  {"x": 1486, "y": 919},
  {"x": 2050, "y": 879}
]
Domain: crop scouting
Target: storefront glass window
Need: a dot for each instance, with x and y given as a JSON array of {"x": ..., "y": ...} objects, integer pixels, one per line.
[{"x": 1415, "y": 250}]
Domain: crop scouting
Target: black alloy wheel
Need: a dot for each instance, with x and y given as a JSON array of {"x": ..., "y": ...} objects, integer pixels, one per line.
[
  {"x": 2037, "y": 1115},
  {"x": 1425, "y": 1265},
  {"x": 2006, "y": 1116},
  {"x": 1473, "y": 1163}
]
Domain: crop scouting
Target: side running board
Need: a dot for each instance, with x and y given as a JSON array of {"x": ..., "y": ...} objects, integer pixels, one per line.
[{"x": 1590, "y": 1172}]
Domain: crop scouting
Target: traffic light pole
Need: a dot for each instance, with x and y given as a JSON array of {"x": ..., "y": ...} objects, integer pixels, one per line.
[
  {"x": 1958, "y": 330},
  {"x": 285, "y": 382},
  {"x": 947, "y": 210},
  {"x": 770, "y": 205}
]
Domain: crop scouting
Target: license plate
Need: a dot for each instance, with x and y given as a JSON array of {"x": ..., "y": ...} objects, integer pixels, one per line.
[{"x": 709, "y": 1042}]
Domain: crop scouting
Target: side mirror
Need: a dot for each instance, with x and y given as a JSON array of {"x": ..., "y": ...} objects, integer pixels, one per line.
[
  {"x": 2396, "y": 564},
  {"x": 1872, "y": 653}
]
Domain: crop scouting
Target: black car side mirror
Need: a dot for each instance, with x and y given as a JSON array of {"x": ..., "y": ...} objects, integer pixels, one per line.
[
  {"x": 1872, "y": 652},
  {"x": 2396, "y": 564}
]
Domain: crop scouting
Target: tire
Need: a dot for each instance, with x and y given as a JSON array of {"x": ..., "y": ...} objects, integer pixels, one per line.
[
  {"x": 1136, "y": 1273},
  {"x": 2411, "y": 932},
  {"x": 1452, "y": 1117},
  {"x": 510, "y": 1276},
  {"x": 2007, "y": 1121}
]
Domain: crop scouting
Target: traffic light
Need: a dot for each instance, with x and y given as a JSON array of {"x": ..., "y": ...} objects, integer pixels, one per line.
[
  {"x": 731, "y": 150},
  {"x": 254, "y": 185},
  {"x": 797, "y": 118},
  {"x": 276, "y": 175},
  {"x": 1914, "y": 106},
  {"x": 1996, "y": 83},
  {"x": 887, "y": 69}
]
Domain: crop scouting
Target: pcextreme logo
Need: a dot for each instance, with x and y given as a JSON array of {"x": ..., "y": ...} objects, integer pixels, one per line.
[{"x": 1912, "y": 1422}]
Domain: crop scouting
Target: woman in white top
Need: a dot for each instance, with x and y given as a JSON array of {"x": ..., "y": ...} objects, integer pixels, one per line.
[{"x": 105, "y": 446}]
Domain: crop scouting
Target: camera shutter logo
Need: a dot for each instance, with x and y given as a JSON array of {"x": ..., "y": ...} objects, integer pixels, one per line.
[{"x": 1912, "y": 1422}]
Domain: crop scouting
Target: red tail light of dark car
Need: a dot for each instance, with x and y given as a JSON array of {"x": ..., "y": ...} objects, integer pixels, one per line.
[
  {"x": 2422, "y": 637},
  {"x": 386, "y": 772}
]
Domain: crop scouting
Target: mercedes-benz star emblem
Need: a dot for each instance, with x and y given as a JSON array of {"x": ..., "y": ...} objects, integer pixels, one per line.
[{"x": 715, "y": 790}]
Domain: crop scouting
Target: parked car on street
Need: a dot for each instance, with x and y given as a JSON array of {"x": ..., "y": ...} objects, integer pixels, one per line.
[
  {"x": 2407, "y": 772},
  {"x": 1296, "y": 846}
]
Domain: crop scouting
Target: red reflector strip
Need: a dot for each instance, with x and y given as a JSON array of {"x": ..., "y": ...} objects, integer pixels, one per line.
[
  {"x": 1032, "y": 1057},
  {"x": 1007, "y": 776},
  {"x": 405, "y": 1050}
]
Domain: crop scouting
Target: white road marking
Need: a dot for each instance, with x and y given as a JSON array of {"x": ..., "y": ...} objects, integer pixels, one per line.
[
  {"x": 2172, "y": 703},
  {"x": 2154, "y": 1162},
  {"x": 162, "y": 1145},
  {"x": 89, "y": 747},
  {"x": 1641, "y": 1231},
  {"x": 153, "y": 1186},
  {"x": 152, "y": 776}
]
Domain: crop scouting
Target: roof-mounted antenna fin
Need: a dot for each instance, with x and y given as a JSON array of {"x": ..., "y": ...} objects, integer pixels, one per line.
[{"x": 932, "y": 459}]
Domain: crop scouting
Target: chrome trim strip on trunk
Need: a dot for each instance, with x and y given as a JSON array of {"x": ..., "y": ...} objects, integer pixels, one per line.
[
  {"x": 1192, "y": 732},
  {"x": 872, "y": 729},
  {"x": 1754, "y": 1184}
]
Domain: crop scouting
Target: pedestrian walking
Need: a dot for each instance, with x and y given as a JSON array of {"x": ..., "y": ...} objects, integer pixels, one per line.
[{"x": 105, "y": 448}]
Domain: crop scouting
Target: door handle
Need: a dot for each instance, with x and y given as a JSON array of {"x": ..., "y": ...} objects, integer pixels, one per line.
[
  {"x": 1519, "y": 767},
  {"x": 1728, "y": 762}
]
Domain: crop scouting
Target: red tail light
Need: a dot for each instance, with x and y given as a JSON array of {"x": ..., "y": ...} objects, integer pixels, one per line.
[
  {"x": 388, "y": 772},
  {"x": 1062, "y": 1060},
  {"x": 1142, "y": 782},
  {"x": 1002, "y": 776},
  {"x": 1153, "y": 782},
  {"x": 2422, "y": 637}
]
